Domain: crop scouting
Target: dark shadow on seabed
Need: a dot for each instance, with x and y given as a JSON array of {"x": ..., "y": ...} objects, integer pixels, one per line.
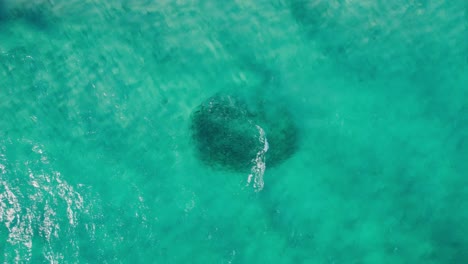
[
  {"x": 39, "y": 16},
  {"x": 226, "y": 133}
]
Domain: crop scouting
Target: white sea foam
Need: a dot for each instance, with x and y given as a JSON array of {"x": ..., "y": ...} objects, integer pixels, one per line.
[
  {"x": 259, "y": 164},
  {"x": 33, "y": 199}
]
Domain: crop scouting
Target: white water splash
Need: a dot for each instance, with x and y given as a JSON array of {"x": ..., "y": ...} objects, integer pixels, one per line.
[
  {"x": 33, "y": 200},
  {"x": 259, "y": 167}
]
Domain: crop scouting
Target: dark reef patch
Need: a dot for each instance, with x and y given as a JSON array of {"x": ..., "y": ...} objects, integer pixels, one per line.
[
  {"x": 37, "y": 15},
  {"x": 227, "y": 132},
  {"x": 313, "y": 16}
]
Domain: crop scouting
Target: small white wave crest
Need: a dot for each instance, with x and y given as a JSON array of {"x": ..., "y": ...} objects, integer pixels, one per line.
[
  {"x": 259, "y": 164},
  {"x": 34, "y": 201}
]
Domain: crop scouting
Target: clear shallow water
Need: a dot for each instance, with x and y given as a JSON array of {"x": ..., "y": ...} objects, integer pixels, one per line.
[{"x": 97, "y": 162}]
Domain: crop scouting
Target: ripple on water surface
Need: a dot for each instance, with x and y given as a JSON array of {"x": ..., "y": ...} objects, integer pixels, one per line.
[{"x": 37, "y": 206}]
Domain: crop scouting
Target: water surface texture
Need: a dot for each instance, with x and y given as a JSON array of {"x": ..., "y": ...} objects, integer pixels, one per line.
[{"x": 349, "y": 143}]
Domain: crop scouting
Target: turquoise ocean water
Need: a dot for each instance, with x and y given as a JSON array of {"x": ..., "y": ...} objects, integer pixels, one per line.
[{"x": 98, "y": 165}]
